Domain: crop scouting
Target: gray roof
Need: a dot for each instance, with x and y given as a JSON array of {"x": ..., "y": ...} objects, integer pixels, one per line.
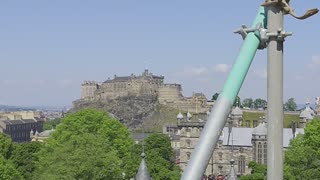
[
  {"x": 237, "y": 111},
  {"x": 242, "y": 136},
  {"x": 143, "y": 173},
  {"x": 23, "y": 121},
  {"x": 46, "y": 133},
  {"x": 306, "y": 113},
  {"x": 261, "y": 129}
]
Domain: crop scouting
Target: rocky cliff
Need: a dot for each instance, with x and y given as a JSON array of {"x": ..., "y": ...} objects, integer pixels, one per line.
[{"x": 131, "y": 110}]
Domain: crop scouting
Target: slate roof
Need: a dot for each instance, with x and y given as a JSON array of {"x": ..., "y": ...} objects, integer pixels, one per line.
[
  {"x": 237, "y": 111},
  {"x": 242, "y": 136},
  {"x": 143, "y": 173}
]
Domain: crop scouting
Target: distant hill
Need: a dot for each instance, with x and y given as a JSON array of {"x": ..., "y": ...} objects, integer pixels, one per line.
[{"x": 15, "y": 108}]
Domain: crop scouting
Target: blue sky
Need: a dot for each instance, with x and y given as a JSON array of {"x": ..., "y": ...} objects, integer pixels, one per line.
[{"x": 47, "y": 48}]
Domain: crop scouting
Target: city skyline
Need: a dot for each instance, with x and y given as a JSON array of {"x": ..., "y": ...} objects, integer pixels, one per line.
[{"x": 49, "y": 48}]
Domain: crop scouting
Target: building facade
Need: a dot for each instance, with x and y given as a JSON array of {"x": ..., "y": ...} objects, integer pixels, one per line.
[
  {"x": 19, "y": 130},
  {"x": 238, "y": 143}
]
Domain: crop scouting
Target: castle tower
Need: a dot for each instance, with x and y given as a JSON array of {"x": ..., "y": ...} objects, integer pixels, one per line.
[
  {"x": 236, "y": 116},
  {"x": 88, "y": 89},
  {"x": 259, "y": 143},
  {"x": 306, "y": 116}
]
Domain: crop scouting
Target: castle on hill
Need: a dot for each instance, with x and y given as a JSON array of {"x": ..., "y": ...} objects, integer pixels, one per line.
[{"x": 146, "y": 84}]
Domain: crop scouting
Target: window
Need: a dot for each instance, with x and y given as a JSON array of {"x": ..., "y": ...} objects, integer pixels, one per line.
[
  {"x": 188, "y": 156},
  {"x": 188, "y": 132},
  {"x": 188, "y": 143},
  {"x": 260, "y": 153},
  {"x": 220, "y": 156},
  {"x": 241, "y": 150},
  {"x": 242, "y": 165},
  {"x": 254, "y": 151},
  {"x": 265, "y": 153}
]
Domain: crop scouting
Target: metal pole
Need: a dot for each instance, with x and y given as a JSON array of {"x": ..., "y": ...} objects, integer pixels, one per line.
[
  {"x": 200, "y": 157},
  {"x": 275, "y": 94}
]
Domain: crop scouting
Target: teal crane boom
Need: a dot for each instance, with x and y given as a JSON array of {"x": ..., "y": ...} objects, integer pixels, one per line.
[{"x": 218, "y": 117}]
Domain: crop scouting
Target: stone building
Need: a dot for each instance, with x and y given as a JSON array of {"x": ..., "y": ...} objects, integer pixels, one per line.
[
  {"x": 237, "y": 143},
  {"x": 317, "y": 105},
  {"x": 19, "y": 130},
  {"x": 88, "y": 89},
  {"x": 146, "y": 84},
  {"x": 18, "y": 115}
]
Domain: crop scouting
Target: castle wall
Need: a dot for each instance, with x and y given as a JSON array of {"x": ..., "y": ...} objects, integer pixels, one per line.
[
  {"x": 88, "y": 89},
  {"x": 170, "y": 93}
]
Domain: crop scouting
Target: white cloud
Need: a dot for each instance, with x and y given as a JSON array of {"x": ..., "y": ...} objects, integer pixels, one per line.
[
  {"x": 261, "y": 73},
  {"x": 315, "y": 61},
  {"x": 221, "y": 68},
  {"x": 195, "y": 71}
]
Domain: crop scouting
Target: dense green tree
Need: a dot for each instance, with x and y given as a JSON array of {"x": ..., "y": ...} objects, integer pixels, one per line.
[
  {"x": 51, "y": 124},
  {"x": 161, "y": 158},
  {"x": 215, "y": 97},
  {"x": 23, "y": 157},
  {"x": 248, "y": 102},
  {"x": 302, "y": 159},
  {"x": 6, "y": 146},
  {"x": 237, "y": 101},
  {"x": 88, "y": 144},
  {"x": 260, "y": 103},
  {"x": 8, "y": 171},
  {"x": 290, "y": 105},
  {"x": 258, "y": 172}
]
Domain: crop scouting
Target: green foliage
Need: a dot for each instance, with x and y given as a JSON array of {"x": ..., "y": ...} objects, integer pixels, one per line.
[
  {"x": 290, "y": 105},
  {"x": 215, "y": 97},
  {"x": 237, "y": 102},
  {"x": 8, "y": 171},
  {"x": 258, "y": 172},
  {"x": 51, "y": 124},
  {"x": 251, "y": 116},
  {"x": 5, "y": 146},
  {"x": 23, "y": 157},
  {"x": 260, "y": 103},
  {"x": 86, "y": 145},
  {"x": 302, "y": 159},
  {"x": 161, "y": 158},
  {"x": 248, "y": 102}
]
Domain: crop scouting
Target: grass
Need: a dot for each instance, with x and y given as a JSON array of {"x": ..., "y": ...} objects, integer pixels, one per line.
[
  {"x": 167, "y": 115},
  {"x": 288, "y": 118}
]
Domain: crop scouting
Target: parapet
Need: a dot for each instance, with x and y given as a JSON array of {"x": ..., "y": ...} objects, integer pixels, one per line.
[{"x": 90, "y": 83}]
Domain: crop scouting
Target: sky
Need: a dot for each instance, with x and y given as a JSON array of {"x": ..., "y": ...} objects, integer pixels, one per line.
[{"x": 47, "y": 48}]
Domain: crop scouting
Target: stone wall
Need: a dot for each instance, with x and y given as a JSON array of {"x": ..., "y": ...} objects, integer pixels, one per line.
[{"x": 220, "y": 161}]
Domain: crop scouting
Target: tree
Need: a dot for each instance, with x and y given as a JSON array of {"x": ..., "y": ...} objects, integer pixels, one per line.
[
  {"x": 302, "y": 159},
  {"x": 215, "y": 97},
  {"x": 237, "y": 101},
  {"x": 258, "y": 172},
  {"x": 248, "y": 102},
  {"x": 8, "y": 171},
  {"x": 88, "y": 144},
  {"x": 160, "y": 158},
  {"x": 23, "y": 157},
  {"x": 51, "y": 124},
  {"x": 260, "y": 103},
  {"x": 6, "y": 146},
  {"x": 290, "y": 105}
]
